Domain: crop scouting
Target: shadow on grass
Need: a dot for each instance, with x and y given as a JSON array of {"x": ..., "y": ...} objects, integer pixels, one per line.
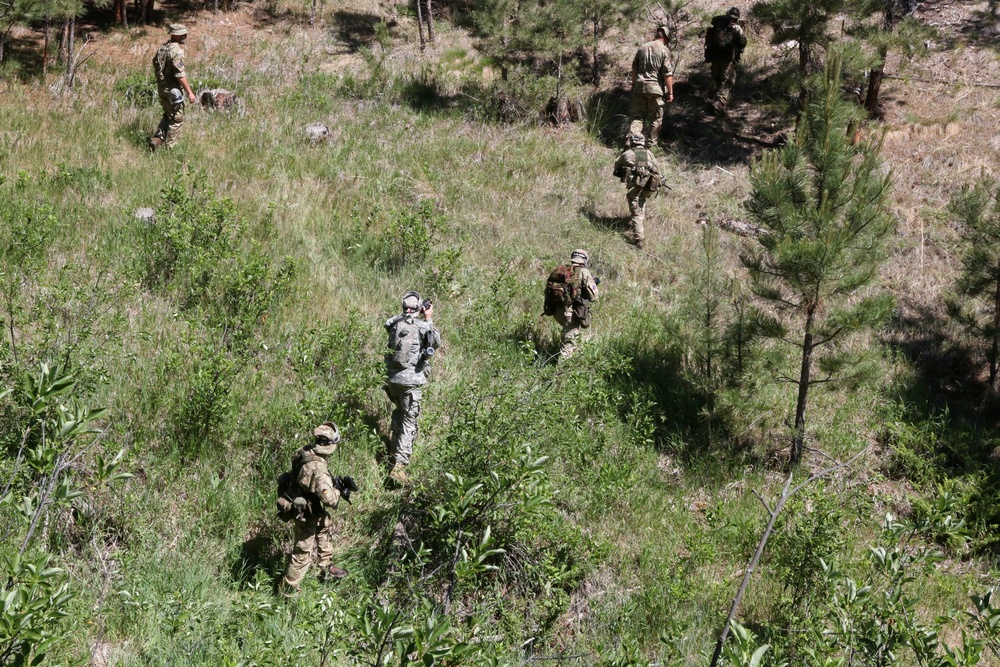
[
  {"x": 614, "y": 223},
  {"x": 259, "y": 553},
  {"x": 357, "y": 30}
]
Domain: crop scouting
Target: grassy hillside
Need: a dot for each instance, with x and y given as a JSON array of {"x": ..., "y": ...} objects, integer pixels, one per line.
[{"x": 600, "y": 511}]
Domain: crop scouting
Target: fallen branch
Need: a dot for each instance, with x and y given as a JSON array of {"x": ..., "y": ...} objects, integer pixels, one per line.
[
  {"x": 77, "y": 62},
  {"x": 945, "y": 83},
  {"x": 733, "y": 226}
]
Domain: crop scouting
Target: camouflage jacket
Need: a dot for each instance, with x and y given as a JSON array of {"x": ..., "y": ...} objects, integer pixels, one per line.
[
  {"x": 651, "y": 66},
  {"x": 406, "y": 362},
  {"x": 588, "y": 286},
  {"x": 168, "y": 65},
  {"x": 314, "y": 477}
]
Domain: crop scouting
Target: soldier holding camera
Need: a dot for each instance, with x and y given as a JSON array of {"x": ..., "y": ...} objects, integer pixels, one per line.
[{"x": 411, "y": 343}]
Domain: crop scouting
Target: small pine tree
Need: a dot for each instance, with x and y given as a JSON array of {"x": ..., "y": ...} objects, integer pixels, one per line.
[
  {"x": 825, "y": 203},
  {"x": 978, "y": 208}
]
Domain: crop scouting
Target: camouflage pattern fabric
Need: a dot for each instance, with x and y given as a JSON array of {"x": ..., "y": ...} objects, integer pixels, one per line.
[
  {"x": 168, "y": 66},
  {"x": 724, "y": 67},
  {"x": 651, "y": 66},
  {"x": 406, "y": 399},
  {"x": 173, "y": 119},
  {"x": 316, "y": 532},
  {"x": 635, "y": 195},
  {"x": 571, "y": 325},
  {"x": 406, "y": 369}
]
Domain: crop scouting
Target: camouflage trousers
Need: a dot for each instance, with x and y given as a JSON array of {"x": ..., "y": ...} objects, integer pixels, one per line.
[
  {"x": 636, "y": 197},
  {"x": 646, "y": 112},
  {"x": 173, "y": 119},
  {"x": 571, "y": 330},
  {"x": 312, "y": 535},
  {"x": 406, "y": 399},
  {"x": 724, "y": 75}
]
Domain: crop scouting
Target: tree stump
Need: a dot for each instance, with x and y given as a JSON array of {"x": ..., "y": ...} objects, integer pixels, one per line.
[
  {"x": 217, "y": 99},
  {"x": 317, "y": 132}
]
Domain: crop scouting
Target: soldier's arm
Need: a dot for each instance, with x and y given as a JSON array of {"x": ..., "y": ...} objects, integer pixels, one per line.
[
  {"x": 324, "y": 488},
  {"x": 590, "y": 284},
  {"x": 182, "y": 79},
  {"x": 432, "y": 337},
  {"x": 177, "y": 60}
]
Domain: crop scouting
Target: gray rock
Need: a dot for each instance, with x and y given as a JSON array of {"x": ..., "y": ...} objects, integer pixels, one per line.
[
  {"x": 317, "y": 132},
  {"x": 146, "y": 214}
]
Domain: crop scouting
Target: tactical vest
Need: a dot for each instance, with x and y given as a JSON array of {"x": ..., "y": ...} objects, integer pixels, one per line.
[
  {"x": 721, "y": 40},
  {"x": 404, "y": 343},
  {"x": 309, "y": 504},
  {"x": 643, "y": 176}
]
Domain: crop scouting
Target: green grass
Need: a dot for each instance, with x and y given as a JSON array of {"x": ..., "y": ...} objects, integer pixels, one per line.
[{"x": 652, "y": 514}]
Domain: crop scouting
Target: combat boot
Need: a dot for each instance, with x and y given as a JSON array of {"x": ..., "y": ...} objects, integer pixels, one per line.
[
  {"x": 332, "y": 572},
  {"x": 398, "y": 475},
  {"x": 154, "y": 143}
]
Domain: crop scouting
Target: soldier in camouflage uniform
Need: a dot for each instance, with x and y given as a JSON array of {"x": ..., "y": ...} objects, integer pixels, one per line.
[
  {"x": 314, "y": 530},
  {"x": 171, "y": 85},
  {"x": 724, "y": 45},
  {"x": 639, "y": 171},
  {"x": 411, "y": 343},
  {"x": 652, "y": 84},
  {"x": 576, "y": 317}
]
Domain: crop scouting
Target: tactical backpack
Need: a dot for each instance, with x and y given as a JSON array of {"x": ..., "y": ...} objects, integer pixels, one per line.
[
  {"x": 404, "y": 343},
  {"x": 720, "y": 40},
  {"x": 642, "y": 175},
  {"x": 561, "y": 290},
  {"x": 295, "y": 503}
]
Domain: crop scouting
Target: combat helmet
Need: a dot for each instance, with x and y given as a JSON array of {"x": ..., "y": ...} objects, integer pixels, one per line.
[
  {"x": 663, "y": 28},
  {"x": 327, "y": 437},
  {"x": 734, "y": 13},
  {"x": 635, "y": 140},
  {"x": 579, "y": 257}
]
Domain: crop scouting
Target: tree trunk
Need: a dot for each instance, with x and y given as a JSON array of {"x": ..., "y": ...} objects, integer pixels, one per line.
[
  {"x": 875, "y": 85},
  {"x": 312, "y": 12},
  {"x": 121, "y": 13},
  {"x": 45, "y": 49},
  {"x": 146, "y": 15},
  {"x": 596, "y": 62},
  {"x": 803, "y": 72},
  {"x": 72, "y": 39},
  {"x": 430, "y": 21},
  {"x": 64, "y": 43},
  {"x": 995, "y": 344},
  {"x": 798, "y": 439},
  {"x": 420, "y": 25}
]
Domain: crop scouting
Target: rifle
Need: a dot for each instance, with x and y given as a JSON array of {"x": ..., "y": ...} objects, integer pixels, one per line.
[{"x": 346, "y": 485}]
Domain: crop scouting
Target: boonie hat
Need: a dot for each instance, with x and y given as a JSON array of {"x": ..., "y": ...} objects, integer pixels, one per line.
[{"x": 177, "y": 29}]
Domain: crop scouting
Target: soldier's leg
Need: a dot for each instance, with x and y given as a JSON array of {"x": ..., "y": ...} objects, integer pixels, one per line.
[
  {"x": 324, "y": 542},
  {"x": 393, "y": 391},
  {"x": 570, "y": 334},
  {"x": 638, "y": 229},
  {"x": 726, "y": 81},
  {"x": 175, "y": 121},
  {"x": 410, "y": 404},
  {"x": 164, "y": 127},
  {"x": 635, "y": 213},
  {"x": 641, "y": 113},
  {"x": 305, "y": 542},
  {"x": 655, "y": 120}
]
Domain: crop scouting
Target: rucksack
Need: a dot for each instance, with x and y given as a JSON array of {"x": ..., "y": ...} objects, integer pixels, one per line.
[
  {"x": 643, "y": 175},
  {"x": 289, "y": 492},
  {"x": 404, "y": 343},
  {"x": 720, "y": 40},
  {"x": 561, "y": 290}
]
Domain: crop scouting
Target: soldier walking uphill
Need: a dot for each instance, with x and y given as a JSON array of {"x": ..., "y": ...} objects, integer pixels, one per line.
[
  {"x": 568, "y": 294},
  {"x": 411, "y": 343},
  {"x": 652, "y": 84},
  {"x": 638, "y": 170},
  {"x": 171, "y": 85},
  {"x": 724, "y": 44},
  {"x": 305, "y": 496}
]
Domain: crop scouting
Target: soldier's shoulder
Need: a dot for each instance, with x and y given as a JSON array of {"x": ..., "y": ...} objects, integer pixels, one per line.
[{"x": 175, "y": 49}]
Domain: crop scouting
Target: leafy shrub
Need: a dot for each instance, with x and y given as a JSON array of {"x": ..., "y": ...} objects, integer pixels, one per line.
[{"x": 137, "y": 89}]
